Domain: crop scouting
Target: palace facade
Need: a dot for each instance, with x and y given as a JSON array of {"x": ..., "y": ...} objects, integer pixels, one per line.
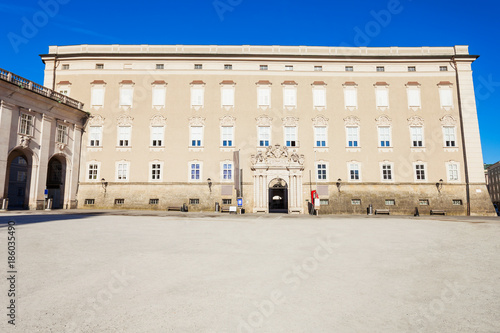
[{"x": 394, "y": 127}]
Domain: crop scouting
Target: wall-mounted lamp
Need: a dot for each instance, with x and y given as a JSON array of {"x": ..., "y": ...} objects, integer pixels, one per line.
[
  {"x": 339, "y": 184},
  {"x": 439, "y": 185},
  {"x": 104, "y": 184},
  {"x": 209, "y": 181}
]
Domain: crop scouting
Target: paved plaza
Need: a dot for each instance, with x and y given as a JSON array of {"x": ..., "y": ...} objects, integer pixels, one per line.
[{"x": 119, "y": 271}]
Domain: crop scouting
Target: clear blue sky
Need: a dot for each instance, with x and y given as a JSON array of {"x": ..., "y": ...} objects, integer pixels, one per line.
[{"x": 271, "y": 22}]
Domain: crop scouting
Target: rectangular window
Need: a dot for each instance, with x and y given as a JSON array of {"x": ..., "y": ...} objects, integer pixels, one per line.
[
  {"x": 420, "y": 172},
  {"x": 446, "y": 97},
  {"x": 126, "y": 95},
  {"x": 93, "y": 171},
  {"x": 228, "y": 67},
  {"x": 350, "y": 97},
  {"x": 453, "y": 172},
  {"x": 61, "y": 133},
  {"x": 324, "y": 202},
  {"x": 155, "y": 171},
  {"x": 160, "y": 66},
  {"x": 26, "y": 124},
  {"x": 264, "y": 96},
  {"x": 195, "y": 171},
  {"x": 390, "y": 202},
  {"x": 21, "y": 176},
  {"x": 122, "y": 171},
  {"x": 318, "y": 68},
  {"x": 158, "y": 96},
  {"x": 194, "y": 201},
  {"x": 97, "y": 98},
  {"x": 423, "y": 202},
  {"x": 457, "y": 202},
  {"x": 119, "y": 201},
  {"x": 197, "y": 96},
  {"x": 354, "y": 171},
  {"x": 196, "y": 136},
  {"x": 291, "y": 136},
  {"x": 352, "y": 136},
  {"x": 124, "y": 136},
  {"x": 64, "y": 92},
  {"x": 443, "y": 68},
  {"x": 319, "y": 97},
  {"x": 321, "y": 171},
  {"x": 157, "y": 133},
  {"x": 65, "y": 67},
  {"x": 412, "y": 69},
  {"x": 227, "y": 96},
  {"x": 264, "y": 135},
  {"x": 89, "y": 201},
  {"x": 290, "y": 97},
  {"x": 226, "y": 201},
  {"x": 99, "y": 66},
  {"x": 198, "y": 66},
  {"x": 349, "y": 68},
  {"x": 380, "y": 69},
  {"x": 320, "y": 136},
  {"x": 414, "y": 97},
  {"x": 95, "y": 136},
  {"x": 154, "y": 201},
  {"x": 417, "y": 136},
  {"x": 263, "y": 67},
  {"x": 227, "y": 136},
  {"x": 382, "y": 95},
  {"x": 227, "y": 171},
  {"x": 384, "y": 136},
  {"x": 289, "y": 68},
  {"x": 387, "y": 172},
  {"x": 449, "y": 136},
  {"x": 356, "y": 202}
]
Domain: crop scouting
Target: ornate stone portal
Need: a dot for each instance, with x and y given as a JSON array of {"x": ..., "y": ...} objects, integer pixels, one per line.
[{"x": 277, "y": 162}]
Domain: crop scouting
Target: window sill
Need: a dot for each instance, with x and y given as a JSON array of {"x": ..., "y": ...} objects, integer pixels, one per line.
[
  {"x": 94, "y": 148},
  {"x": 450, "y": 149},
  {"x": 353, "y": 149},
  {"x": 196, "y": 149},
  {"x": 321, "y": 149},
  {"x": 385, "y": 149},
  {"x": 227, "y": 149},
  {"x": 417, "y": 149},
  {"x": 157, "y": 148},
  {"x": 123, "y": 149}
]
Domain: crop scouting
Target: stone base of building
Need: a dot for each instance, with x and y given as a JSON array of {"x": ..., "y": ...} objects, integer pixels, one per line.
[{"x": 350, "y": 198}]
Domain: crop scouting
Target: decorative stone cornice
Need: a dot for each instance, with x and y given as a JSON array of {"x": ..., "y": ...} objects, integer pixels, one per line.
[
  {"x": 227, "y": 120},
  {"x": 125, "y": 120},
  {"x": 320, "y": 121},
  {"x": 290, "y": 121},
  {"x": 277, "y": 156},
  {"x": 352, "y": 121},
  {"x": 264, "y": 120},
  {"x": 96, "y": 120},
  {"x": 448, "y": 120},
  {"x": 415, "y": 121},
  {"x": 196, "y": 121},
  {"x": 383, "y": 121},
  {"x": 158, "y": 120}
]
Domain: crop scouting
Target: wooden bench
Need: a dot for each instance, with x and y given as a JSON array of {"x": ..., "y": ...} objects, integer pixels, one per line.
[
  {"x": 224, "y": 209},
  {"x": 175, "y": 208},
  {"x": 438, "y": 212},
  {"x": 382, "y": 211}
]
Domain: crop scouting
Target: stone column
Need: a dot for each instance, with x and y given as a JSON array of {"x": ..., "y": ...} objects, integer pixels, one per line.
[
  {"x": 75, "y": 166},
  {"x": 6, "y": 114},
  {"x": 45, "y": 144}
]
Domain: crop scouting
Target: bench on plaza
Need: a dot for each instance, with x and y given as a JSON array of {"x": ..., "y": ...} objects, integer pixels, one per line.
[
  {"x": 224, "y": 209},
  {"x": 382, "y": 211},
  {"x": 175, "y": 208},
  {"x": 438, "y": 212}
]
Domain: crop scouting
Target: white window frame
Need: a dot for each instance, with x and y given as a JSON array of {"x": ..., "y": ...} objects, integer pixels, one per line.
[
  {"x": 259, "y": 137},
  {"x": 324, "y": 174},
  {"x": 353, "y": 165},
  {"x": 456, "y": 166},
  {"x": 264, "y": 96},
  {"x": 445, "y": 136},
  {"x": 350, "y": 97},
  {"x": 158, "y": 177},
  {"x": 119, "y": 171},
  {"x": 192, "y": 136},
  {"x": 383, "y": 136},
  {"x": 446, "y": 97},
  {"x": 29, "y": 120},
  {"x": 157, "y": 134},
  {"x": 200, "y": 171},
  {"x": 222, "y": 171},
  {"x": 382, "y": 96},
  {"x": 382, "y": 164},
  {"x": 62, "y": 133},
  {"x": 97, "y": 94},
  {"x": 289, "y": 96},
  {"x": 97, "y": 172},
  {"x": 158, "y": 95},
  {"x": 426, "y": 176},
  {"x": 92, "y": 136},
  {"x": 416, "y": 99},
  {"x": 123, "y": 136},
  {"x": 127, "y": 95},
  {"x": 227, "y": 95},
  {"x": 350, "y": 136},
  {"x": 291, "y": 132},
  {"x": 319, "y": 136},
  {"x": 416, "y": 136},
  {"x": 319, "y": 97},
  {"x": 224, "y": 132},
  {"x": 197, "y": 95}
]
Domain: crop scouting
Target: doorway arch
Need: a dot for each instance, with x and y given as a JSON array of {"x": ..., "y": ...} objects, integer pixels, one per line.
[
  {"x": 278, "y": 196},
  {"x": 18, "y": 180},
  {"x": 56, "y": 176}
]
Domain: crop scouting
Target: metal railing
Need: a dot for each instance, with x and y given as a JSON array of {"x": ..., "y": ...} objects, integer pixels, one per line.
[{"x": 39, "y": 89}]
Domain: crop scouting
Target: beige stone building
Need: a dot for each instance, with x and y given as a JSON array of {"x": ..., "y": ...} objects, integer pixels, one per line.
[
  {"x": 493, "y": 180},
  {"x": 40, "y": 137},
  {"x": 394, "y": 127}
]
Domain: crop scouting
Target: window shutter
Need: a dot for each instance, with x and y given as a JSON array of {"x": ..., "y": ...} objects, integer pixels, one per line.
[
  {"x": 414, "y": 97},
  {"x": 446, "y": 97},
  {"x": 227, "y": 96},
  {"x": 126, "y": 96},
  {"x": 319, "y": 97},
  {"x": 264, "y": 96},
  {"x": 350, "y": 97},
  {"x": 97, "y": 96},
  {"x": 382, "y": 97},
  {"x": 197, "y": 96},
  {"x": 158, "y": 96},
  {"x": 290, "y": 97}
]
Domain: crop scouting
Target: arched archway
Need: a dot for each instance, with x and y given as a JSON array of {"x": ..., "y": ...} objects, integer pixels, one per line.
[
  {"x": 56, "y": 176},
  {"x": 278, "y": 196},
  {"x": 17, "y": 185}
]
